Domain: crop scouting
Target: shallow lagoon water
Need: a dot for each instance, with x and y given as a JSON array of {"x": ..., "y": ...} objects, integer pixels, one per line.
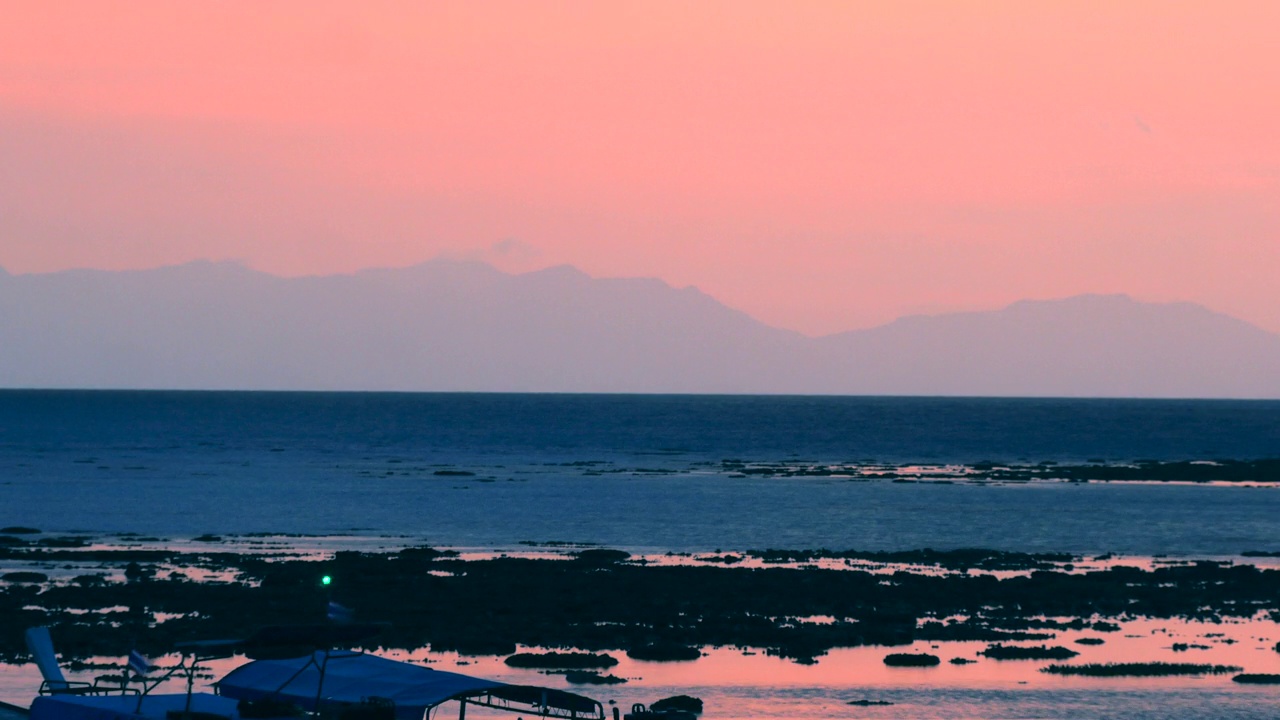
[{"x": 739, "y": 685}]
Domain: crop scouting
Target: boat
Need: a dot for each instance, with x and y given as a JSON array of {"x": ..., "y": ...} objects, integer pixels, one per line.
[
  {"x": 325, "y": 682},
  {"x": 404, "y": 691}
]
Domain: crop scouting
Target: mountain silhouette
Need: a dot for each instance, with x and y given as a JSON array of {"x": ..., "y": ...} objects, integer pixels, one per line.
[
  {"x": 451, "y": 325},
  {"x": 1088, "y": 345}
]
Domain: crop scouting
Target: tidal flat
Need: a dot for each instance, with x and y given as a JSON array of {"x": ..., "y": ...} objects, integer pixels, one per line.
[
  {"x": 797, "y": 605},
  {"x": 770, "y": 633}
]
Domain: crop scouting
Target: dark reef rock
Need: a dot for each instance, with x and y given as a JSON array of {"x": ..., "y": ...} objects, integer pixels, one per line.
[
  {"x": 664, "y": 652},
  {"x": 678, "y": 703},
  {"x": 424, "y": 555},
  {"x": 489, "y": 607},
  {"x": 587, "y": 677},
  {"x": 961, "y": 559},
  {"x": 561, "y": 661},
  {"x": 602, "y": 556},
  {"x": 1257, "y": 679},
  {"x": 911, "y": 660},
  {"x": 24, "y": 576},
  {"x": 1018, "y": 652},
  {"x": 63, "y": 542},
  {"x": 1140, "y": 669},
  {"x": 135, "y": 572}
]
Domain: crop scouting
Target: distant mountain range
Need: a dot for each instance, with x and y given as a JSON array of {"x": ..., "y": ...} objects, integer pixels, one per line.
[{"x": 450, "y": 325}]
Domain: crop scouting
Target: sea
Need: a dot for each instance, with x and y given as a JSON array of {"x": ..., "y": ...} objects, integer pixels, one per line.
[
  {"x": 659, "y": 474},
  {"x": 637, "y": 472}
]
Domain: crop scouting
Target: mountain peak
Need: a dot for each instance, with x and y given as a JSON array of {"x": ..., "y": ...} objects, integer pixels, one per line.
[
  {"x": 457, "y": 324},
  {"x": 563, "y": 271}
]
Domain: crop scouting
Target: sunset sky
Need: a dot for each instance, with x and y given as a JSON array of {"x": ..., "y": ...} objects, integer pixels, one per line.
[{"x": 823, "y": 166}]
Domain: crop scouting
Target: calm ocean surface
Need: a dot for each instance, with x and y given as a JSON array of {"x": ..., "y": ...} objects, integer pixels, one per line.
[
  {"x": 645, "y": 473},
  {"x": 636, "y": 472}
]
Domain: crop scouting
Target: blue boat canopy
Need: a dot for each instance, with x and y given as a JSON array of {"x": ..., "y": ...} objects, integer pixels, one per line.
[{"x": 353, "y": 677}]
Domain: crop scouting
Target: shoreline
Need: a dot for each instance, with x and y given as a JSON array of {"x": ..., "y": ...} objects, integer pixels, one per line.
[{"x": 17, "y": 543}]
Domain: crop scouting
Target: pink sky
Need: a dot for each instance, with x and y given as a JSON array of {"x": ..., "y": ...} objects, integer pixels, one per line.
[{"x": 823, "y": 166}]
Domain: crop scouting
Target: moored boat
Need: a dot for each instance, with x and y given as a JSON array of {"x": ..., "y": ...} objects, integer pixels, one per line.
[{"x": 325, "y": 682}]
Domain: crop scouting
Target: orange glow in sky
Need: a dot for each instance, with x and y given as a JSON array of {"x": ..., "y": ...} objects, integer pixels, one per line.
[{"x": 823, "y": 165}]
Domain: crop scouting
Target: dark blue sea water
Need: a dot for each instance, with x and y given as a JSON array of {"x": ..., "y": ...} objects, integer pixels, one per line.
[{"x": 638, "y": 472}]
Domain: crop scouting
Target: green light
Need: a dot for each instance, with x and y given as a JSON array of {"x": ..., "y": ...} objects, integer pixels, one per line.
[{"x": 326, "y": 580}]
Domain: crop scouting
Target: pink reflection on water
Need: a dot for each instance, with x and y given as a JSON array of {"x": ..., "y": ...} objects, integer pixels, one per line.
[{"x": 737, "y": 683}]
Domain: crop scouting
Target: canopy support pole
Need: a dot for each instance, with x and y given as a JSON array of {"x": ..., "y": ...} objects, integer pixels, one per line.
[{"x": 320, "y": 681}]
